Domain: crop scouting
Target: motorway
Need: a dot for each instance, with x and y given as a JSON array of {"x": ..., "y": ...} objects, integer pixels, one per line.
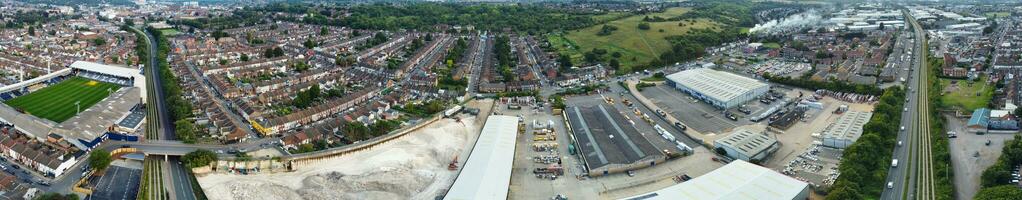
[
  {"x": 911, "y": 179},
  {"x": 164, "y": 126}
]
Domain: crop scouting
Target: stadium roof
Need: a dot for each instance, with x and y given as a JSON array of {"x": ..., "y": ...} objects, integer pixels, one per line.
[
  {"x": 123, "y": 72},
  {"x": 487, "y": 172},
  {"x": 736, "y": 180},
  {"x": 747, "y": 142},
  {"x": 33, "y": 81},
  {"x": 848, "y": 126},
  {"x": 605, "y": 137},
  {"x": 719, "y": 85}
]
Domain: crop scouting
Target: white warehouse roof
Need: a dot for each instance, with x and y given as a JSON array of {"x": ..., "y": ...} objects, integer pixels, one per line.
[
  {"x": 719, "y": 85},
  {"x": 747, "y": 142},
  {"x": 122, "y": 72},
  {"x": 487, "y": 173},
  {"x": 847, "y": 129},
  {"x": 736, "y": 180}
]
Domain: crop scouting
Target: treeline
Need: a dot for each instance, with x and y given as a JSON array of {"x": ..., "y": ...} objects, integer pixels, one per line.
[
  {"x": 693, "y": 44},
  {"x": 864, "y": 164},
  {"x": 20, "y": 19},
  {"x": 939, "y": 151},
  {"x": 502, "y": 50},
  {"x": 238, "y": 18},
  {"x": 179, "y": 107},
  {"x": 832, "y": 85}
]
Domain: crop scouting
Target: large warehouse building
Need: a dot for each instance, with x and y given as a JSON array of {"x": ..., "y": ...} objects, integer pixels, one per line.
[
  {"x": 736, "y": 180},
  {"x": 607, "y": 142},
  {"x": 487, "y": 172},
  {"x": 846, "y": 130},
  {"x": 718, "y": 88},
  {"x": 747, "y": 145}
]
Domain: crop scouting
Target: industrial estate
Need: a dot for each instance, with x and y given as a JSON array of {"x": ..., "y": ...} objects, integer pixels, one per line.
[{"x": 470, "y": 100}]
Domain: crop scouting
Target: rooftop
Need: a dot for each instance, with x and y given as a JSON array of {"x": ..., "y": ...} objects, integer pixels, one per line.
[
  {"x": 736, "y": 180},
  {"x": 747, "y": 142},
  {"x": 719, "y": 85},
  {"x": 605, "y": 137},
  {"x": 487, "y": 172},
  {"x": 848, "y": 126}
]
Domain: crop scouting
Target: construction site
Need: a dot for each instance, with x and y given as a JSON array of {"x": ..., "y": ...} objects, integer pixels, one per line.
[{"x": 419, "y": 165}]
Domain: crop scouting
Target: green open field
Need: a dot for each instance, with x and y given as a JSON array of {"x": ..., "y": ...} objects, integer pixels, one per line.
[
  {"x": 965, "y": 94},
  {"x": 57, "y": 102},
  {"x": 997, "y": 14},
  {"x": 635, "y": 45},
  {"x": 169, "y": 32}
]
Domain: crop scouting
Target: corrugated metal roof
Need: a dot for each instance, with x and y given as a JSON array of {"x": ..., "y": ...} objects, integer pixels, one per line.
[
  {"x": 487, "y": 172},
  {"x": 736, "y": 180},
  {"x": 719, "y": 85}
]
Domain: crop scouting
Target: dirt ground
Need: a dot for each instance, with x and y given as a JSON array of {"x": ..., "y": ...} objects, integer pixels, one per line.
[{"x": 411, "y": 167}]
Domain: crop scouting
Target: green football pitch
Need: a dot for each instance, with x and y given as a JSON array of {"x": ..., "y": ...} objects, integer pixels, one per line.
[{"x": 57, "y": 102}]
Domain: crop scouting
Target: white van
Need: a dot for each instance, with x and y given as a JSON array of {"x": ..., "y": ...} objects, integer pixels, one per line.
[
  {"x": 902, "y": 128},
  {"x": 890, "y": 185},
  {"x": 894, "y": 163}
]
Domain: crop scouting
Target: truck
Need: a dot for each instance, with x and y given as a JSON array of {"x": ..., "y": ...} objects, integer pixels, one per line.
[{"x": 452, "y": 111}]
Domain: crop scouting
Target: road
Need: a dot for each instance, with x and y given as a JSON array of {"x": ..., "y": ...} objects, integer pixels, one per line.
[{"x": 915, "y": 160}]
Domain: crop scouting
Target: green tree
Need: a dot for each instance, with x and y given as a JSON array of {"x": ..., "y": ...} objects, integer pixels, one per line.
[
  {"x": 57, "y": 196},
  {"x": 100, "y": 159},
  {"x": 31, "y": 30},
  {"x": 99, "y": 41},
  {"x": 643, "y": 26},
  {"x": 309, "y": 43},
  {"x": 1004, "y": 192},
  {"x": 184, "y": 130},
  {"x": 324, "y": 31},
  {"x": 199, "y": 158}
]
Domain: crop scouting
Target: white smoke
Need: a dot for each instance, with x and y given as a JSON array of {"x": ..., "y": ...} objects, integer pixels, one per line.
[{"x": 803, "y": 19}]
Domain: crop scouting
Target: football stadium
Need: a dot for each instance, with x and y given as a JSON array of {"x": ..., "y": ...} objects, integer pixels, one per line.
[{"x": 82, "y": 103}]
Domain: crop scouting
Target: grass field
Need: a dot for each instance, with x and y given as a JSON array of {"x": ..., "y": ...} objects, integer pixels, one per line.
[
  {"x": 169, "y": 32},
  {"x": 997, "y": 14},
  {"x": 963, "y": 94},
  {"x": 57, "y": 102},
  {"x": 635, "y": 45}
]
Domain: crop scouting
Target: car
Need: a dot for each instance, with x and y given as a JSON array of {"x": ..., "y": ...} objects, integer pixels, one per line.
[
  {"x": 680, "y": 126},
  {"x": 43, "y": 183},
  {"x": 890, "y": 185},
  {"x": 631, "y": 173},
  {"x": 899, "y": 142},
  {"x": 902, "y": 128},
  {"x": 16, "y": 166},
  {"x": 906, "y": 110}
]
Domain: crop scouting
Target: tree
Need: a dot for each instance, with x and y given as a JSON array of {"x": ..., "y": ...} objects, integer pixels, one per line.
[
  {"x": 219, "y": 34},
  {"x": 244, "y": 57},
  {"x": 199, "y": 158},
  {"x": 31, "y": 30},
  {"x": 565, "y": 61},
  {"x": 309, "y": 43},
  {"x": 57, "y": 196},
  {"x": 616, "y": 65},
  {"x": 999, "y": 192},
  {"x": 99, "y": 41},
  {"x": 324, "y": 31},
  {"x": 643, "y": 26},
  {"x": 185, "y": 130},
  {"x": 99, "y": 159}
]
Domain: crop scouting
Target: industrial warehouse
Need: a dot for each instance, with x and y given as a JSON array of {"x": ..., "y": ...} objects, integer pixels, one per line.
[
  {"x": 746, "y": 145},
  {"x": 718, "y": 88},
  {"x": 608, "y": 143},
  {"x": 736, "y": 180},
  {"x": 846, "y": 130}
]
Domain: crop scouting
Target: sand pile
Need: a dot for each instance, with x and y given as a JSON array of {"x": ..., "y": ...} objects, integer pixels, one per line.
[{"x": 411, "y": 167}]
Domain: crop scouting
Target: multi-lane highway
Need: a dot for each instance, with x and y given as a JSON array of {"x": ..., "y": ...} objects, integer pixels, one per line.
[{"x": 912, "y": 178}]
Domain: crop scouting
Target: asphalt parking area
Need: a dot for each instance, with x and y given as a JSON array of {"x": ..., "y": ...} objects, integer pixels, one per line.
[
  {"x": 118, "y": 183},
  {"x": 695, "y": 114}
]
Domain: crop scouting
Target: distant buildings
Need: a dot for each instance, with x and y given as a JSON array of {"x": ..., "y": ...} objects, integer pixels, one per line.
[{"x": 718, "y": 88}]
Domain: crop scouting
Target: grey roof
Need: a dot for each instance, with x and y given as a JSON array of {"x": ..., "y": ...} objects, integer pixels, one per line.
[
  {"x": 605, "y": 137},
  {"x": 747, "y": 142}
]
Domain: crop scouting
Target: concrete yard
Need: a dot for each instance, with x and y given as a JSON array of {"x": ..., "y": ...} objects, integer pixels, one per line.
[
  {"x": 525, "y": 185},
  {"x": 118, "y": 182},
  {"x": 967, "y": 166},
  {"x": 696, "y": 114}
]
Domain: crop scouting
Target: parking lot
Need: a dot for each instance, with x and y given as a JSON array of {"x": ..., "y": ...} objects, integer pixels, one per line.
[
  {"x": 119, "y": 182},
  {"x": 970, "y": 155},
  {"x": 696, "y": 114}
]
